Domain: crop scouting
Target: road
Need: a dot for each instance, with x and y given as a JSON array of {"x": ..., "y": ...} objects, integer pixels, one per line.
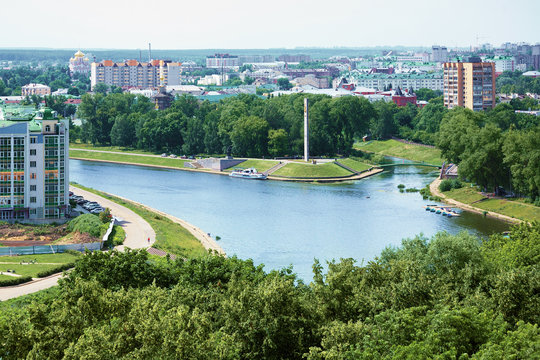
[{"x": 138, "y": 231}]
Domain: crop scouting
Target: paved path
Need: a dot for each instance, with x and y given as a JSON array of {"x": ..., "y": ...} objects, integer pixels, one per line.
[
  {"x": 434, "y": 188},
  {"x": 137, "y": 229},
  {"x": 10, "y": 292}
]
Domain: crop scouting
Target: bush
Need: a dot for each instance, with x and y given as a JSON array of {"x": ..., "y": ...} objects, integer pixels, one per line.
[
  {"x": 446, "y": 185},
  {"x": 105, "y": 216},
  {"x": 449, "y": 184},
  {"x": 86, "y": 223},
  {"x": 55, "y": 270},
  {"x": 401, "y": 186},
  {"x": 15, "y": 281}
]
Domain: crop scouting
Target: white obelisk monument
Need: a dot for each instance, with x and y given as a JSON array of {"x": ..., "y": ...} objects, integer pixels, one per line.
[{"x": 306, "y": 130}]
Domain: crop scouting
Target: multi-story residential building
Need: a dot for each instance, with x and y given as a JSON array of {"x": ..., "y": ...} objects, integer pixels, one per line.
[
  {"x": 503, "y": 64},
  {"x": 79, "y": 63},
  {"x": 294, "y": 58},
  {"x": 439, "y": 53},
  {"x": 133, "y": 73},
  {"x": 433, "y": 81},
  {"x": 219, "y": 61},
  {"x": 469, "y": 84},
  {"x": 35, "y": 89},
  {"x": 34, "y": 165}
]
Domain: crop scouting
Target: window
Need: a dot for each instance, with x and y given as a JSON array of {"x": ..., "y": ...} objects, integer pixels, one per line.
[
  {"x": 32, "y": 164},
  {"x": 33, "y": 187},
  {"x": 32, "y": 199},
  {"x": 33, "y": 152},
  {"x": 32, "y": 175},
  {"x": 47, "y": 128},
  {"x": 33, "y": 140}
]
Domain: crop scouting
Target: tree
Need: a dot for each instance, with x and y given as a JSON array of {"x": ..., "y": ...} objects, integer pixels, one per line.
[
  {"x": 384, "y": 125},
  {"x": 250, "y": 136},
  {"x": 427, "y": 94},
  {"x": 521, "y": 151},
  {"x": 284, "y": 84},
  {"x": 278, "y": 142},
  {"x": 74, "y": 91},
  {"x": 101, "y": 88},
  {"x": 123, "y": 131},
  {"x": 454, "y": 133}
]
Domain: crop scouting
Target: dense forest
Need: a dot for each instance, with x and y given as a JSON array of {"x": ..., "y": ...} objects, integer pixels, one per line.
[{"x": 448, "y": 297}]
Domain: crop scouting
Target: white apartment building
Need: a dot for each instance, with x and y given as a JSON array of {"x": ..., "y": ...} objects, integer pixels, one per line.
[
  {"x": 34, "y": 165},
  {"x": 35, "y": 89}
]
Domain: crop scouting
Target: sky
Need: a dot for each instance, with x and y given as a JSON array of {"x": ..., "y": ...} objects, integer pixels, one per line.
[{"x": 246, "y": 24}]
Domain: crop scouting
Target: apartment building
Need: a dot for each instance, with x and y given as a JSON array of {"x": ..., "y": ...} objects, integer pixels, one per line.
[
  {"x": 35, "y": 89},
  {"x": 433, "y": 81},
  {"x": 132, "y": 73},
  {"x": 34, "y": 165},
  {"x": 470, "y": 84},
  {"x": 218, "y": 61}
]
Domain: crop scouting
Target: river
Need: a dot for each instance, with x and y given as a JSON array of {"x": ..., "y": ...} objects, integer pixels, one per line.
[{"x": 282, "y": 223}]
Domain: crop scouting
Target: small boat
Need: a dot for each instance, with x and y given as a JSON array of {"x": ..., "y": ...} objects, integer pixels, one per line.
[{"x": 250, "y": 173}]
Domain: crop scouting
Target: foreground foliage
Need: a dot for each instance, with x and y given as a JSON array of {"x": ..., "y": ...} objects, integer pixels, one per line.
[{"x": 449, "y": 297}]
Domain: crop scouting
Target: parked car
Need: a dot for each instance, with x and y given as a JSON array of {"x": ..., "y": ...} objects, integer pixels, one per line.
[
  {"x": 97, "y": 210},
  {"x": 82, "y": 201},
  {"x": 172, "y": 156},
  {"x": 163, "y": 155}
]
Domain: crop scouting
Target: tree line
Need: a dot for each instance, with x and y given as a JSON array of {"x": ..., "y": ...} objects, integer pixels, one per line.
[
  {"x": 513, "y": 82},
  {"x": 252, "y": 126},
  {"x": 448, "y": 297},
  {"x": 56, "y": 77}
]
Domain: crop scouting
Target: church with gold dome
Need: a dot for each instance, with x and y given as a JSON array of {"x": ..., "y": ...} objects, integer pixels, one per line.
[{"x": 79, "y": 63}]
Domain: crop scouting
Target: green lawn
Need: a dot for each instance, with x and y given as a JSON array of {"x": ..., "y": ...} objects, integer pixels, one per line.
[
  {"x": 170, "y": 236},
  {"x": 61, "y": 258},
  {"x": 26, "y": 270},
  {"x": 5, "y": 277},
  {"x": 260, "y": 165},
  {"x": 355, "y": 164},
  {"x": 110, "y": 148},
  {"x": 132, "y": 159},
  {"x": 515, "y": 209},
  {"x": 312, "y": 171},
  {"x": 405, "y": 151}
]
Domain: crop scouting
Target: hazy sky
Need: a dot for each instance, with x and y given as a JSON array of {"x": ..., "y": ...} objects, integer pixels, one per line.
[{"x": 199, "y": 24}]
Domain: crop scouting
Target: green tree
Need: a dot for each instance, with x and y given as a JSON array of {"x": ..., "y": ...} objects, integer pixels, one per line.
[
  {"x": 250, "y": 136},
  {"x": 101, "y": 88},
  {"x": 284, "y": 84},
  {"x": 278, "y": 142}
]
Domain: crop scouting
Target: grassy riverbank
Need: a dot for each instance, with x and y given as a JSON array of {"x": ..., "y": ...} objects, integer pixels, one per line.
[
  {"x": 110, "y": 148},
  {"x": 312, "y": 171},
  {"x": 170, "y": 236},
  {"x": 398, "y": 149},
  {"x": 294, "y": 169},
  {"x": 515, "y": 209},
  {"x": 127, "y": 158},
  {"x": 259, "y": 164}
]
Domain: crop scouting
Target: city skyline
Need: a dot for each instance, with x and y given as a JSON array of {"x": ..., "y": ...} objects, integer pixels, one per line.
[{"x": 241, "y": 25}]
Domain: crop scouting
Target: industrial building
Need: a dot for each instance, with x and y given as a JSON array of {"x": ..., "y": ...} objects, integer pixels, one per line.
[
  {"x": 34, "y": 165},
  {"x": 470, "y": 84}
]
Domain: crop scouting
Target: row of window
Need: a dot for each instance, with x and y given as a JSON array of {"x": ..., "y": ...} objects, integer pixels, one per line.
[{"x": 4, "y": 141}]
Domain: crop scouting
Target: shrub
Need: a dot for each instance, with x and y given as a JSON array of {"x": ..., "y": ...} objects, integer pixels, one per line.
[
  {"x": 105, "y": 216},
  {"x": 55, "y": 270},
  {"x": 86, "y": 223},
  {"x": 446, "y": 185},
  {"x": 401, "y": 186},
  {"x": 15, "y": 281}
]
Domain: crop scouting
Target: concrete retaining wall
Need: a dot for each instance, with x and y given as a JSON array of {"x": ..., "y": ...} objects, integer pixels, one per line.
[{"x": 219, "y": 164}]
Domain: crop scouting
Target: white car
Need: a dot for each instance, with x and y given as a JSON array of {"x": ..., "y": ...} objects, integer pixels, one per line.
[{"x": 163, "y": 155}]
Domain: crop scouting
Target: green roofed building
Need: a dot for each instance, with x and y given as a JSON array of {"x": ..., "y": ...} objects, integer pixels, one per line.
[{"x": 34, "y": 171}]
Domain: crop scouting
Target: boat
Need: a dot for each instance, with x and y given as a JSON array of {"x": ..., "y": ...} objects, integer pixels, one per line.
[{"x": 250, "y": 173}]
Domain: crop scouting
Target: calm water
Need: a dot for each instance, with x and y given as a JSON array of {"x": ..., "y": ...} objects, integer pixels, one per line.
[{"x": 279, "y": 223}]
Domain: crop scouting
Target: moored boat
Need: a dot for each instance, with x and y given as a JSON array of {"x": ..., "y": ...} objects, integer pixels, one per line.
[{"x": 250, "y": 173}]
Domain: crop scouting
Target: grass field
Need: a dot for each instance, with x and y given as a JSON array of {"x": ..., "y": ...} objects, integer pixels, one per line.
[
  {"x": 42, "y": 262},
  {"x": 355, "y": 165},
  {"x": 515, "y": 209},
  {"x": 260, "y": 165},
  {"x": 405, "y": 151},
  {"x": 170, "y": 236},
  {"x": 132, "y": 159},
  {"x": 110, "y": 148},
  {"x": 311, "y": 171}
]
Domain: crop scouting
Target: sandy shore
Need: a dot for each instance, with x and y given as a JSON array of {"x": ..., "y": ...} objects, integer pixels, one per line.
[{"x": 434, "y": 188}]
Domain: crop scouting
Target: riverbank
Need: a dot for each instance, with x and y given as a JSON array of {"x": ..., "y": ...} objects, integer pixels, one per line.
[
  {"x": 398, "y": 149},
  {"x": 292, "y": 171},
  {"x": 173, "y": 235},
  {"x": 506, "y": 210}
]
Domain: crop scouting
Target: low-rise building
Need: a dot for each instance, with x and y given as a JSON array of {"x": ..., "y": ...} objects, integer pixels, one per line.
[{"x": 35, "y": 89}]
